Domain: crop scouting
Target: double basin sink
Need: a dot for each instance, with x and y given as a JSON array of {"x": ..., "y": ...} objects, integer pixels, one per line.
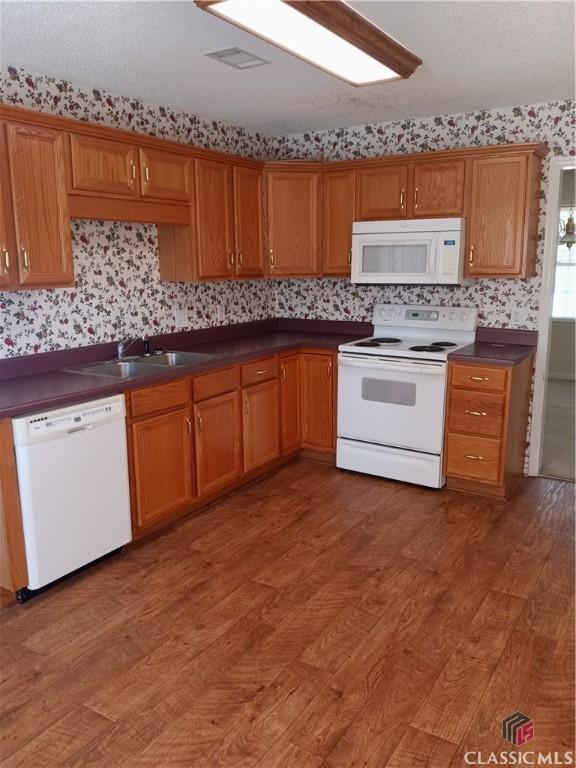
[{"x": 132, "y": 367}]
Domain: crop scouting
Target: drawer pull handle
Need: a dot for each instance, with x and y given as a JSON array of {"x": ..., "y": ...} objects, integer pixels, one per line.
[
  {"x": 478, "y": 378},
  {"x": 6, "y": 254},
  {"x": 200, "y": 424},
  {"x": 25, "y": 260},
  {"x": 231, "y": 258},
  {"x": 271, "y": 259},
  {"x": 146, "y": 173},
  {"x": 474, "y": 458},
  {"x": 471, "y": 256},
  {"x": 477, "y": 413},
  {"x": 283, "y": 373},
  {"x": 189, "y": 427},
  {"x": 262, "y": 371},
  {"x": 132, "y": 176},
  {"x": 416, "y": 198},
  {"x": 401, "y": 198}
]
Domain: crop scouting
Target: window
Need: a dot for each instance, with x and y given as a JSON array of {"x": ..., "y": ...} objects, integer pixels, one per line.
[{"x": 565, "y": 278}]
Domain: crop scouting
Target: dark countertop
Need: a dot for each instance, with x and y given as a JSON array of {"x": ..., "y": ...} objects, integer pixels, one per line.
[
  {"x": 28, "y": 394},
  {"x": 492, "y": 352}
]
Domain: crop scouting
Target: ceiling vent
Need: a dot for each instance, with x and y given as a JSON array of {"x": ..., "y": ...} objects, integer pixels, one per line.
[{"x": 237, "y": 58}]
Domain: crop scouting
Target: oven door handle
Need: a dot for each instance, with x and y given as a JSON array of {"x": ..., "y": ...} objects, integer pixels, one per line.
[{"x": 433, "y": 369}]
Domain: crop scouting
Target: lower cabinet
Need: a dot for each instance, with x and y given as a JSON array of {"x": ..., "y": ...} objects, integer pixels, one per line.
[
  {"x": 162, "y": 466},
  {"x": 290, "y": 416},
  {"x": 260, "y": 424},
  {"x": 217, "y": 430},
  {"x": 317, "y": 400}
]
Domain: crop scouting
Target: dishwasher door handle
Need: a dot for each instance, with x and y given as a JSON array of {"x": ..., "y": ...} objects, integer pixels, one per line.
[{"x": 83, "y": 428}]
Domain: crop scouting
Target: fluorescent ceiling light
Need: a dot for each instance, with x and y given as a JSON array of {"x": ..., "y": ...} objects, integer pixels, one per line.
[{"x": 298, "y": 33}]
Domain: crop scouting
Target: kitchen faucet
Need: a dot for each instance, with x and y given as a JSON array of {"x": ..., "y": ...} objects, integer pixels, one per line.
[{"x": 123, "y": 346}]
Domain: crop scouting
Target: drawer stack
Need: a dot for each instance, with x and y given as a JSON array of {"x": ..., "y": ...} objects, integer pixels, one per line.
[{"x": 486, "y": 426}]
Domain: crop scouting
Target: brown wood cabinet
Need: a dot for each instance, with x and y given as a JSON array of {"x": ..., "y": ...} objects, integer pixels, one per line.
[
  {"x": 317, "y": 400},
  {"x": 218, "y": 429},
  {"x": 162, "y": 466},
  {"x": 290, "y": 416},
  {"x": 249, "y": 254},
  {"x": 214, "y": 219},
  {"x": 382, "y": 192},
  {"x": 165, "y": 175},
  {"x": 436, "y": 189},
  {"x": 338, "y": 210},
  {"x": 260, "y": 424},
  {"x": 502, "y": 216},
  {"x": 43, "y": 240},
  {"x": 486, "y": 424},
  {"x": 101, "y": 165},
  {"x": 293, "y": 239},
  {"x": 8, "y": 249}
]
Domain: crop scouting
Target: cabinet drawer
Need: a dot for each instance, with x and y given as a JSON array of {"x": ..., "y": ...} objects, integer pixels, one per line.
[
  {"x": 476, "y": 413},
  {"x": 163, "y": 397},
  {"x": 479, "y": 377},
  {"x": 216, "y": 383},
  {"x": 474, "y": 458},
  {"x": 260, "y": 370}
]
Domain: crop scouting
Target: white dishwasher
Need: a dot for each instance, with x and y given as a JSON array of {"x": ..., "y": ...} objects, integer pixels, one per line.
[{"x": 73, "y": 479}]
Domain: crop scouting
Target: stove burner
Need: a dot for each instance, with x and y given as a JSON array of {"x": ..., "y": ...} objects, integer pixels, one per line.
[
  {"x": 444, "y": 344},
  {"x": 366, "y": 344},
  {"x": 386, "y": 340},
  {"x": 426, "y": 348}
]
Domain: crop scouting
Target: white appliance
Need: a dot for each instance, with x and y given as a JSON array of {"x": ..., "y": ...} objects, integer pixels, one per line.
[
  {"x": 392, "y": 391},
  {"x": 73, "y": 479},
  {"x": 408, "y": 251}
]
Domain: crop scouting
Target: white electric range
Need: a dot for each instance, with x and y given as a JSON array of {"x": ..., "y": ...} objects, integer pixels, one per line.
[{"x": 392, "y": 392}]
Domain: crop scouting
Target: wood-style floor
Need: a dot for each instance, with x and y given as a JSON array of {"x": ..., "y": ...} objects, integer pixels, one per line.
[{"x": 317, "y": 618}]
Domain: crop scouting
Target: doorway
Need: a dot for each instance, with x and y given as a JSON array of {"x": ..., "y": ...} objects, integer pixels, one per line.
[{"x": 558, "y": 323}]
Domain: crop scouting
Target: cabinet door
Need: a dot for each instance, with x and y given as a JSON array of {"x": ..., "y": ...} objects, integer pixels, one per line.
[
  {"x": 317, "y": 401},
  {"x": 162, "y": 466},
  {"x": 338, "y": 216},
  {"x": 8, "y": 263},
  {"x": 214, "y": 218},
  {"x": 165, "y": 175},
  {"x": 293, "y": 222},
  {"x": 218, "y": 454},
  {"x": 260, "y": 424},
  {"x": 101, "y": 165},
  {"x": 248, "y": 221},
  {"x": 496, "y": 217},
  {"x": 290, "y": 403},
  {"x": 382, "y": 192},
  {"x": 437, "y": 189},
  {"x": 40, "y": 206}
]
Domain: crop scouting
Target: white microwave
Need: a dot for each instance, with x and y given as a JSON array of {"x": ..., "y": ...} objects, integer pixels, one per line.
[{"x": 409, "y": 251}]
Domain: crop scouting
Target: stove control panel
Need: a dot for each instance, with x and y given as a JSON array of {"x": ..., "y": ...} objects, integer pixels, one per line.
[{"x": 455, "y": 318}]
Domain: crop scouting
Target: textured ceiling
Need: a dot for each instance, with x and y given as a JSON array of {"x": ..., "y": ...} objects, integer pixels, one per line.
[{"x": 476, "y": 54}]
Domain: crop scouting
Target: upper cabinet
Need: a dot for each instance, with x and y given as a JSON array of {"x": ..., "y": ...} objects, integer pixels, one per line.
[
  {"x": 36, "y": 238},
  {"x": 382, "y": 192},
  {"x": 249, "y": 256},
  {"x": 502, "y": 216},
  {"x": 338, "y": 188},
  {"x": 165, "y": 175},
  {"x": 100, "y": 165},
  {"x": 423, "y": 188},
  {"x": 292, "y": 222},
  {"x": 214, "y": 219},
  {"x": 437, "y": 189},
  {"x": 8, "y": 263}
]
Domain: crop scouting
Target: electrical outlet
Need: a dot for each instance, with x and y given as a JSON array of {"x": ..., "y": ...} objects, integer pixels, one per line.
[
  {"x": 220, "y": 313},
  {"x": 520, "y": 316},
  {"x": 181, "y": 318}
]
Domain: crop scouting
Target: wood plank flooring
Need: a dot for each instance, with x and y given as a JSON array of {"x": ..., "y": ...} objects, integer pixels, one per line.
[{"x": 317, "y": 619}]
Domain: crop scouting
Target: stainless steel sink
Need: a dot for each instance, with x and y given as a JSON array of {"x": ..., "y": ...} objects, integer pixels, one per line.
[
  {"x": 174, "y": 359},
  {"x": 115, "y": 369},
  {"x": 130, "y": 368}
]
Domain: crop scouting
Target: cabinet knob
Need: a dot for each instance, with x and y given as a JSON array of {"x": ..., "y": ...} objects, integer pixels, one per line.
[{"x": 6, "y": 259}]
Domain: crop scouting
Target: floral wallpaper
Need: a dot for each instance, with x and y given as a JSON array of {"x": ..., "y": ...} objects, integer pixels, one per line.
[
  {"x": 118, "y": 291},
  {"x": 502, "y": 303}
]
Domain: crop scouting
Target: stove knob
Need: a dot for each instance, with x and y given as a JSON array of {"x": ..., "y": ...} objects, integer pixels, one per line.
[
  {"x": 433, "y": 315},
  {"x": 463, "y": 316},
  {"x": 452, "y": 316},
  {"x": 392, "y": 313}
]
